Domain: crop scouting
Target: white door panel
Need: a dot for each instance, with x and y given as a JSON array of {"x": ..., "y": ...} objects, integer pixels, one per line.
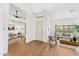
[{"x": 39, "y": 30}]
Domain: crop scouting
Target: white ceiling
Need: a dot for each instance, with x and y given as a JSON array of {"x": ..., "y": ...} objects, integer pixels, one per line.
[
  {"x": 58, "y": 10},
  {"x": 35, "y": 7}
]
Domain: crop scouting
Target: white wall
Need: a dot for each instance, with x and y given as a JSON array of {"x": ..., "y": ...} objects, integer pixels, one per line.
[
  {"x": 30, "y": 28},
  {"x": 47, "y": 27},
  {"x": 63, "y": 21},
  {"x": 4, "y": 8}
]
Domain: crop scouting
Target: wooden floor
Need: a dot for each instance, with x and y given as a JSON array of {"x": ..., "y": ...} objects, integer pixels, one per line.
[{"x": 37, "y": 48}]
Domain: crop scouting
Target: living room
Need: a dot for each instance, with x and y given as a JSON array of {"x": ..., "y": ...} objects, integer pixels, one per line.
[{"x": 49, "y": 28}]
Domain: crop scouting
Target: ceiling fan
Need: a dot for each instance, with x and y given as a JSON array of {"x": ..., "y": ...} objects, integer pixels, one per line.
[{"x": 16, "y": 15}]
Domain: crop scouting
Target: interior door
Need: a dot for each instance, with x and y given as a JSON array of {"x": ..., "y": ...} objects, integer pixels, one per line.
[{"x": 39, "y": 30}]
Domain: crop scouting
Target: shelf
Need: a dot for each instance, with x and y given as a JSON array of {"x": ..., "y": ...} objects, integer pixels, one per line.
[{"x": 64, "y": 28}]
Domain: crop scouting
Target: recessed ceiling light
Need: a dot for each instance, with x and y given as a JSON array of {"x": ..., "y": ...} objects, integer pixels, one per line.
[{"x": 72, "y": 10}]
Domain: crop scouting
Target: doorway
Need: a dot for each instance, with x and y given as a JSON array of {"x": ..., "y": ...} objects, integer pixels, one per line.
[
  {"x": 39, "y": 29},
  {"x": 16, "y": 23},
  {"x": 16, "y": 30}
]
